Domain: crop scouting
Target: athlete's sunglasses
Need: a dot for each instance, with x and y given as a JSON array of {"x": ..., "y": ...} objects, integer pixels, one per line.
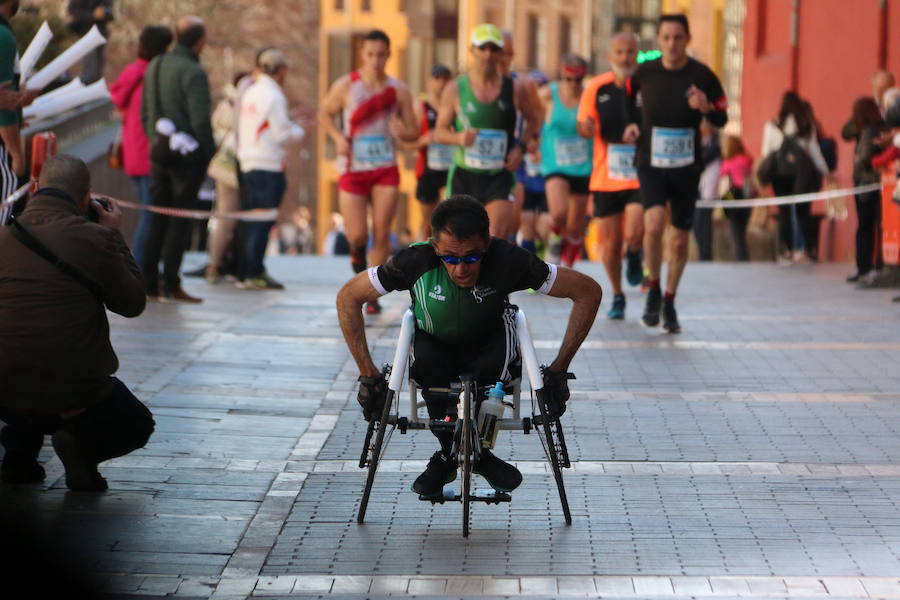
[
  {"x": 469, "y": 259},
  {"x": 573, "y": 79}
]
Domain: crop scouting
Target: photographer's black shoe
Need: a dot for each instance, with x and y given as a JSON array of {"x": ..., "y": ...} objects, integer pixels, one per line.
[
  {"x": 21, "y": 469},
  {"x": 81, "y": 473},
  {"x": 439, "y": 472},
  {"x": 499, "y": 474}
]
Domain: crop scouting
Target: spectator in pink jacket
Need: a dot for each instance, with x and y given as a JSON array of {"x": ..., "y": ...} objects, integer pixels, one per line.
[
  {"x": 126, "y": 95},
  {"x": 737, "y": 169}
]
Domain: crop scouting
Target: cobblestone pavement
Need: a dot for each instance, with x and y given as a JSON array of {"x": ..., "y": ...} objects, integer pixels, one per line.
[{"x": 756, "y": 454}]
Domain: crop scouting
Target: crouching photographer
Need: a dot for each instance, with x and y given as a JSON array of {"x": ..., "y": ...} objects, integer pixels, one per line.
[{"x": 59, "y": 273}]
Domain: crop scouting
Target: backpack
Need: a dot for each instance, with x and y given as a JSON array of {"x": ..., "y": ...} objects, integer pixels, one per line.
[{"x": 788, "y": 157}]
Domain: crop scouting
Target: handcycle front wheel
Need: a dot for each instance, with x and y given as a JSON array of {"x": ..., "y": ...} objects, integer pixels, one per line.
[
  {"x": 466, "y": 447},
  {"x": 555, "y": 448},
  {"x": 373, "y": 450}
]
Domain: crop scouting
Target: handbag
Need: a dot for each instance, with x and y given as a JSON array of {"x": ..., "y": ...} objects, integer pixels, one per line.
[
  {"x": 160, "y": 147},
  {"x": 114, "y": 157}
]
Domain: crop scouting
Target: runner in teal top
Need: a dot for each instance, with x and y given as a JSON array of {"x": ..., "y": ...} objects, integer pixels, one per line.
[
  {"x": 563, "y": 151},
  {"x": 566, "y": 162}
]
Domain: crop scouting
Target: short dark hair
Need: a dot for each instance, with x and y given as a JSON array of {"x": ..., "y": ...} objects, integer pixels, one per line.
[
  {"x": 674, "y": 18},
  {"x": 67, "y": 173},
  {"x": 153, "y": 41},
  {"x": 190, "y": 35},
  {"x": 377, "y": 35},
  {"x": 462, "y": 216}
]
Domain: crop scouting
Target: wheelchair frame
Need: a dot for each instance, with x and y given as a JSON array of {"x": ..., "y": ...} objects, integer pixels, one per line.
[{"x": 467, "y": 441}]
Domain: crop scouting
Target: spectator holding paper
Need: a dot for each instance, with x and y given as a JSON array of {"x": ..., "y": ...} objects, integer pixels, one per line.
[
  {"x": 12, "y": 152},
  {"x": 85, "y": 14}
]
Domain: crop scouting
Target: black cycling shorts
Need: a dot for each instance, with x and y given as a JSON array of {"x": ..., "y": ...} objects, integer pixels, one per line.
[
  {"x": 577, "y": 185},
  {"x": 493, "y": 357},
  {"x": 484, "y": 187},
  {"x": 678, "y": 187},
  {"x": 428, "y": 187},
  {"x": 535, "y": 201},
  {"x": 607, "y": 204}
]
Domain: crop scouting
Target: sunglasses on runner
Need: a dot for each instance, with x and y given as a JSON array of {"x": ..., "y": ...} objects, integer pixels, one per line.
[
  {"x": 490, "y": 47},
  {"x": 573, "y": 79},
  {"x": 469, "y": 259}
]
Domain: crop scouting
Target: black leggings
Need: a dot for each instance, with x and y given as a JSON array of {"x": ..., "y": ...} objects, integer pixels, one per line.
[
  {"x": 493, "y": 358},
  {"x": 868, "y": 212},
  {"x": 113, "y": 427}
]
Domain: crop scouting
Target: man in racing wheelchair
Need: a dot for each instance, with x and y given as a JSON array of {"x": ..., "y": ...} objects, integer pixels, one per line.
[{"x": 459, "y": 281}]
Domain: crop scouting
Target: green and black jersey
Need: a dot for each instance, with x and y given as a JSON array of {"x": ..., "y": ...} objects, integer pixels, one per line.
[{"x": 453, "y": 314}]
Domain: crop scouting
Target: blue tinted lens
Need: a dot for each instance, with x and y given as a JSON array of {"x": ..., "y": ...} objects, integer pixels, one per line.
[{"x": 468, "y": 259}]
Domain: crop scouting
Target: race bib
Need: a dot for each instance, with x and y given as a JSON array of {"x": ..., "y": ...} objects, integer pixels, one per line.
[
  {"x": 571, "y": 151},
  {"x": 620, "y": 162},
  {"x": 671, "y": 148},
  {"x": 372, "y": 152},
  {"x": 439, "y": 157},
  {"x": 488, "y": 153}
]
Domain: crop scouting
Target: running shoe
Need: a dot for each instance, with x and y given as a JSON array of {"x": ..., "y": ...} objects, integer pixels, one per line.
[
  {"x": 554, "y": 248},
  {"x": 634, "y": 271},
  {"x": 651, "y": 309},
  {"x": 499, "y": 474},
  {"x": 373, "y": 308},
  {"x": 670, "y": 318},
  {"x": 618, "y": 307},
  {"x": 439, "y": 472}
]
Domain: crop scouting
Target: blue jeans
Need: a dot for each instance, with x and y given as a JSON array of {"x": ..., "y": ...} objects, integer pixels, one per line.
[
  {"x": 142, "y": 185},
  {"x": 262, "y": 189}
]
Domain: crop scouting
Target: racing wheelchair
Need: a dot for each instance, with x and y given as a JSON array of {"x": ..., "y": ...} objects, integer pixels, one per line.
[{"x": 467, "y": 444}]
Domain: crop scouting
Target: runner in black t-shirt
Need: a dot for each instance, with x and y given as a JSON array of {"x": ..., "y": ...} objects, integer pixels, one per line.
[
  {"x": 459, "y": 282},
  {"x": 668, "y": 99}
]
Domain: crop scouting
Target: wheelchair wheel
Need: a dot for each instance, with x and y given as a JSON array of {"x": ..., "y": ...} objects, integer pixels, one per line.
[
  {"x": 466, "y": 448},
  {"x": 557, "y": 454},
  {"x": 373, "y": 450}
]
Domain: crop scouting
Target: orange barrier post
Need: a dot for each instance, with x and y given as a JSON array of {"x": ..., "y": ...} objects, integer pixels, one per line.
[
  {"x": 43, "y": 146},
  {"x": 890, "y": 219}
]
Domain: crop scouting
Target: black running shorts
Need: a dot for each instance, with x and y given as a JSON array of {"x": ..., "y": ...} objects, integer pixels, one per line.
[
  {"x": 577, "y": 185},
  {"x": 607, "y": 204},
  {"x": 677, "y": 187},
  {"x": 484, "y": 187},
  {"x": 428, "y": 187}
]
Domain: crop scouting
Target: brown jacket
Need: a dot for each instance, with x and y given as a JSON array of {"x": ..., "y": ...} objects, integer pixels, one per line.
[{"x": 55, "y": 352}]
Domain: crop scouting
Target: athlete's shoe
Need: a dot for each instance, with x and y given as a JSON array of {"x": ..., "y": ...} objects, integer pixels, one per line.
[
  {"x": 373, "y": 308},
  {"x": 651, "y": 309},
  {"x": 439, "y": 472},
  {"x": 634, "y": 271},
  {"x": 618, "y": 307},
  {"x": 670, "y": 317},
  {"x": 499, "y": 474},
  {"x": 554, "y": 248}
]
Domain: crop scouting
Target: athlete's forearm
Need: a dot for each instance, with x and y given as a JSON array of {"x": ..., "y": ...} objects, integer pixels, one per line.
[
  {"x": 584, "y": 311},
  {"x": 448, "y": 137},
  {"x": 349, "y": 307}
]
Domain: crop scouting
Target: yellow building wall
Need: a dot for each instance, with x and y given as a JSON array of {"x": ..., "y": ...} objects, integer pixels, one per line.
[{"x": 387, "y": 16}]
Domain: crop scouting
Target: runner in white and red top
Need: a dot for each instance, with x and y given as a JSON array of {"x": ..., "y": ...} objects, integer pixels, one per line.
[{"x": 375, "y": 108}]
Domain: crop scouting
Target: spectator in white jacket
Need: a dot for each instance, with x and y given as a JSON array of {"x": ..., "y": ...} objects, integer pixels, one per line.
[{"x": 264, "y": 129}]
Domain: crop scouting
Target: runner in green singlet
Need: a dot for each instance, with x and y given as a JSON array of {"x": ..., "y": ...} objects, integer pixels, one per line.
[{"x": 478, "y": 114}]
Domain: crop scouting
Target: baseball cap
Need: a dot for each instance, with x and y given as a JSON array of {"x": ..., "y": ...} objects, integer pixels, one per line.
[
  {"x": 486, "y": 33},
  {"x": 272, "y": 58},
  {"x": 441, "y": 71}
]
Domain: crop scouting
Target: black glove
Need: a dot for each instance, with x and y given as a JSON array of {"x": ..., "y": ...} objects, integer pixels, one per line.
[
  {"x": 371, "y": 395},
  {"x": 556, "y": 386}
]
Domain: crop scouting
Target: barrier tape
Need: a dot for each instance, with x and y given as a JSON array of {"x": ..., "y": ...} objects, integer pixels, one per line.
[
  {"x": 256, "y": 214},
  {"x": 271, "y": 214},
  {"x": 793, "y": 199}
]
